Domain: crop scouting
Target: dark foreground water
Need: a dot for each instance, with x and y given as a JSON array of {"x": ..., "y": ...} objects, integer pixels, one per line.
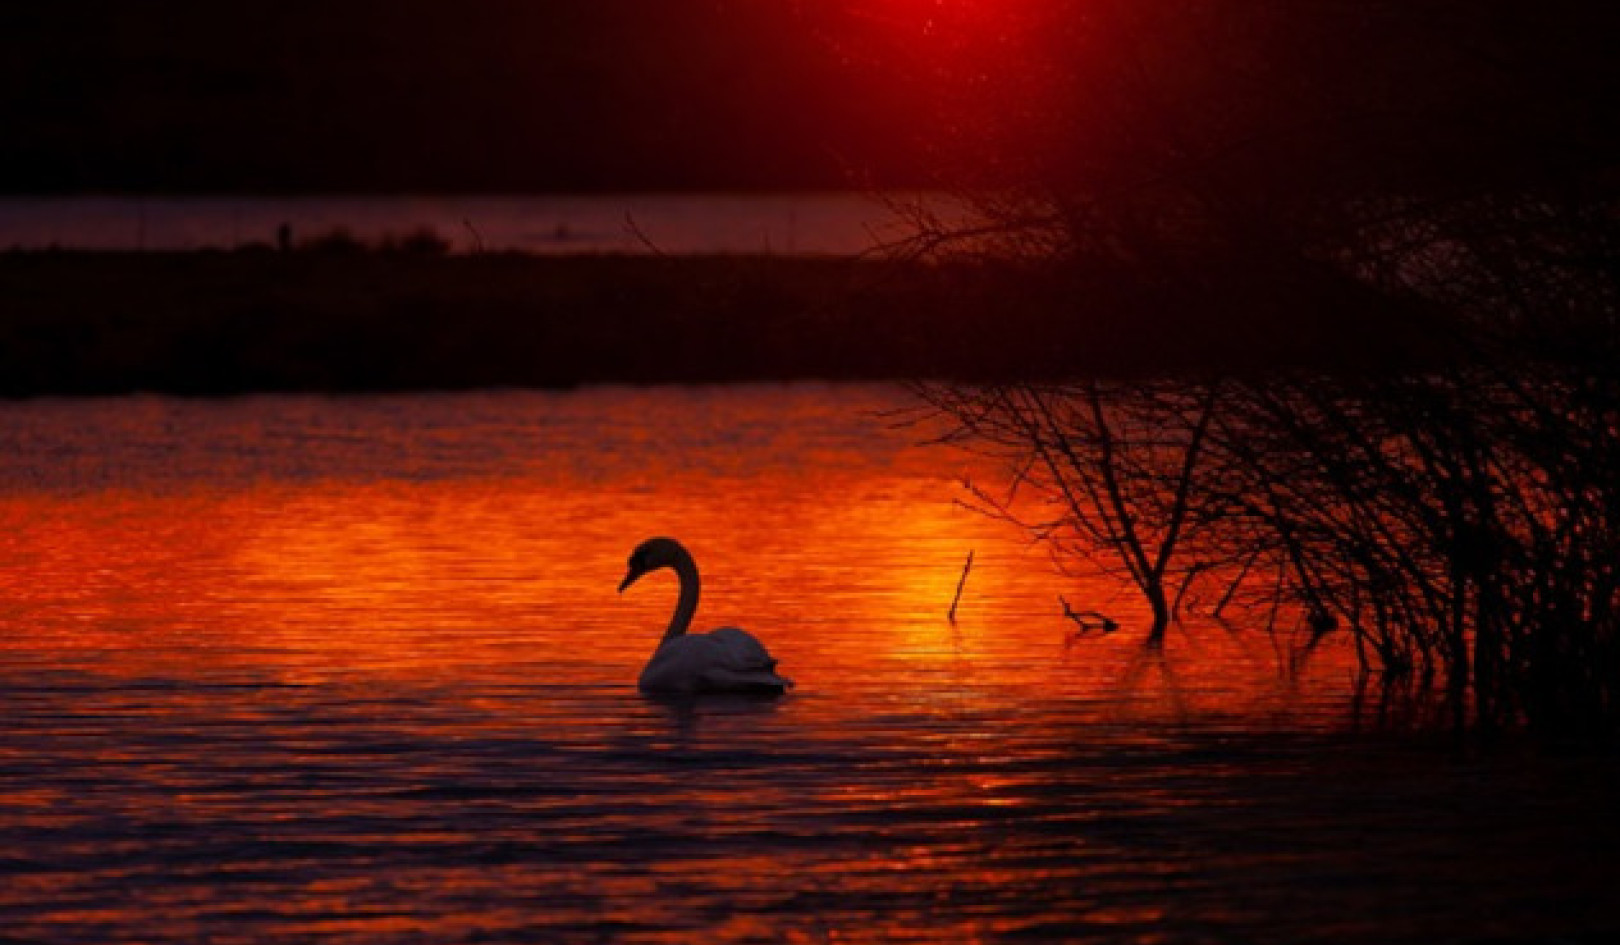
[{"x": 353, "y": 670}]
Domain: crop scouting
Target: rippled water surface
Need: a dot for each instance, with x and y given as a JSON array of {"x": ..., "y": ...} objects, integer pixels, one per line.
[{"x": 354, "y": 670}]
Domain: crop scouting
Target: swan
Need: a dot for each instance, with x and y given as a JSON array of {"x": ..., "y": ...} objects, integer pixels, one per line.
[{"x": 723, "y": 660}]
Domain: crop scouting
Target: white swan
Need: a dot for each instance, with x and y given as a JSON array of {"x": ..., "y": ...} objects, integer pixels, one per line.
[{"x": 724, "y": 660}]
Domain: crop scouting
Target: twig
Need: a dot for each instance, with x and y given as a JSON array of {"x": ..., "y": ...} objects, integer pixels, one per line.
[
  {"x": 639, "y": 235},
  {"x": 478, "y": 238},
  {"x": 961, "y": 582},
  {"x": 1088, "y": 619},
  {"x": 1236, "y": 582}
]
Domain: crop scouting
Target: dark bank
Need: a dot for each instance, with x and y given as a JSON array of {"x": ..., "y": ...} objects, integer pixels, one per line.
[{"x": 352, "y": 318}]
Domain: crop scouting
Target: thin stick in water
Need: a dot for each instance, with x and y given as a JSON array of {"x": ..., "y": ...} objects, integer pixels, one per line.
[
  {"x": 961, "y": 583},
  {"x": 478, "y": 238}
]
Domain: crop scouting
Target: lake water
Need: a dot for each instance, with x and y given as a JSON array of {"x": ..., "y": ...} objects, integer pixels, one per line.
[
  {"x": 824, "y": 223},
  {"x": 354, "y": 670}
]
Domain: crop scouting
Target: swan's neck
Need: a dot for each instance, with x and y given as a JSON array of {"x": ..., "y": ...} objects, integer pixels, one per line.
[{"x": 686, "y": 606}]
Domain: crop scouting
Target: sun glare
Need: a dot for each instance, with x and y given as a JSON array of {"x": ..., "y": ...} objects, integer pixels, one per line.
[
  {"x": 951, "y": 26},
  {"x": 972, "y": 73}
]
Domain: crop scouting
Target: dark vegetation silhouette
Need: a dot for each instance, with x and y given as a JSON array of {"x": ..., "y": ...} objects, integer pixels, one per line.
[
  {"x": 332, "y": 313},
  {"x": 1427, "y": 195}
]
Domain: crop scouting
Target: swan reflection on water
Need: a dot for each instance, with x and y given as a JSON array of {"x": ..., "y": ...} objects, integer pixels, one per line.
[{"x": 724, "y": 660}]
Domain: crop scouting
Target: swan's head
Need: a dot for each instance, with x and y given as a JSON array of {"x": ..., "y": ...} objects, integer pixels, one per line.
[{"x": 650, "y": 555}]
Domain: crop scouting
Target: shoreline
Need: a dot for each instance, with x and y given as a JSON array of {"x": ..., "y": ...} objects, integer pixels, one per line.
[{"x": 348, "y": 318}]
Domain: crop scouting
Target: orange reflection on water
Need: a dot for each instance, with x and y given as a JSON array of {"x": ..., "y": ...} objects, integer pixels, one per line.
[
  {"x": 384, "y": 688},
  {"x": 843, "y": 553}
]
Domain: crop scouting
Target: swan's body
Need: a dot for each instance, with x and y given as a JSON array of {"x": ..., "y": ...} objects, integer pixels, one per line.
[{"x": 723, "y": 660}]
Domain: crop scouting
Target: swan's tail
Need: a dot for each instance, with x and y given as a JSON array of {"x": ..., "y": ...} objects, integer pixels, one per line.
[{"x": 756, "y": 680}]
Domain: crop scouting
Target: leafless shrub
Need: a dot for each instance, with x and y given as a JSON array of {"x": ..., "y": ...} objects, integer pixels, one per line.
[{"x": 1429, "y": 182}]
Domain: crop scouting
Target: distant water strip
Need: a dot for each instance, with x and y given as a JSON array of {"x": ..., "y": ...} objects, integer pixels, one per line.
[{"x": 684, "y": 224}]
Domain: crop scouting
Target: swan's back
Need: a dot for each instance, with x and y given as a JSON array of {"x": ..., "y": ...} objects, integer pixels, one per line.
[{"x": 724, "y": 660}]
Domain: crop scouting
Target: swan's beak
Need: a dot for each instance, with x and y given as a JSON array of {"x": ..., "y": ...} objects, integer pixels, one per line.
[{"x": 630, "y": 579}]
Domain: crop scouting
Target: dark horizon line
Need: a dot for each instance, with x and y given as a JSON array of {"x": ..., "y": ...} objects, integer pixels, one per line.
[{"x": 592, "y": 191}]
